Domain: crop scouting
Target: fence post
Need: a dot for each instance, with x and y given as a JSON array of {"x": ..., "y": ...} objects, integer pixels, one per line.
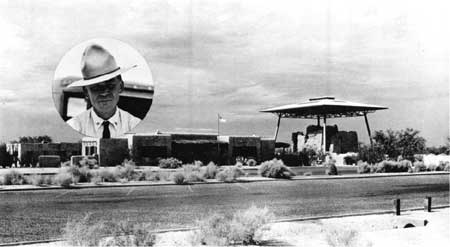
[
  {"x": 427, "y": 204},
  {"x": 397, "y": 206}
]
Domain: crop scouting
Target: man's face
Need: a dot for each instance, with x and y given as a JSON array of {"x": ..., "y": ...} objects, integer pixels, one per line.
[{"x": 104, "y": 96}]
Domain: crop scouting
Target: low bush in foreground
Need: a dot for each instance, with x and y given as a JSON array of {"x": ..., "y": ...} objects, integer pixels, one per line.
[
  {"x": 229, "y": 174},
  {"x": 340, "y": 237},
  {"x": 172, "y": 163},
  {"x": 238, "y": 229},
  {"x": 85, "y": 232},
  {"x": 275, "y": 169}
]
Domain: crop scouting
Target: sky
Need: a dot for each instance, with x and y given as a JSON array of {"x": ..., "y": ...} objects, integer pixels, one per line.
[{"x": 235, "y": 58}]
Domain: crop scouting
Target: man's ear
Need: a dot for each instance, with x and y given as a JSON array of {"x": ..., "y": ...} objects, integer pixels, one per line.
[
  {"x": 85, "y": 92},
  {"x": 122, "y": 87}
]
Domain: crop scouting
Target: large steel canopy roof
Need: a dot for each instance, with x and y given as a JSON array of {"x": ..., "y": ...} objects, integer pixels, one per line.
[
  {"x": 327, "y": 107},
  {"x": 324, "y": 107}
]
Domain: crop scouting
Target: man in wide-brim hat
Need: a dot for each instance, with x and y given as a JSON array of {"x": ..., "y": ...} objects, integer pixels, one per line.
[{"x": 102, "y": 84}]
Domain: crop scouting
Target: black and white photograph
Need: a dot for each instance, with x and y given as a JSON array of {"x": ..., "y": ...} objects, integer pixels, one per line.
[{"x": 225, "y": 123}]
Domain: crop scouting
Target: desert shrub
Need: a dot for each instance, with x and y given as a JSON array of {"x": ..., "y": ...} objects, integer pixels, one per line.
[
  {"x": 198, "y": 163},
  {"x": 107, "y": 175},
  {"x": 240, "y": 228},
  {"x": 48, "y": 180},
  {"x": 213, "y": 231},
  {"x": 339, "y": 237},
  {"x": 13, "y": 177},
  {"x": 229, "y": 174},
  {"x": 209, "y": 171},
  {"x": 85, "y": 232},
  {"x": 126, "y": 171},
  {"x": 64, "y": 178},
  {"x": 362, "y": 167},
  {"x": 73, "y": 171},
  {"x": 85, "y": 174},
  {"x": 35, "y": 179},
  {"x": 178, "y": 178},
  {"x": 149, "y": 175},
  {"x": 126, "y": 233},
  {"x": 432, "y": 167},
  {"x": 95, "y": 177},
  {"x": 164, "y": 176},
  {"x": 275, "y": 169},
  {"x": 419, "y": 166},
  {"x": 391, "y": 166},
  {"x": 192, "y": 173},
  {"x": 446, "y": 166},
  {"x": 172, "y": 163},
  {"x": 443, "y": 166}
]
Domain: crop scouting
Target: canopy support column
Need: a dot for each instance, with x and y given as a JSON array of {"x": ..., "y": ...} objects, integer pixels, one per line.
[
  {"x": 278, "y": 126},
  {"x": 368, "y": 129},
  {"x": 324, "y": 136},
  {"x": 318, "y": 120}
]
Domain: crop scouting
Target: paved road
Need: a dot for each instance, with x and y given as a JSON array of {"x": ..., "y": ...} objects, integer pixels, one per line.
[{"x": 35, "y": 215}]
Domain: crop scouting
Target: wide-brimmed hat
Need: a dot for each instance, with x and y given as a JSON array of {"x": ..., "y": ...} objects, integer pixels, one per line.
[{"x": 98, "y": 65}]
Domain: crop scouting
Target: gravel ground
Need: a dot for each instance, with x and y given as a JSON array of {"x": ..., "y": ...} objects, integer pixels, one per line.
[{"x": 371, "y": 230}]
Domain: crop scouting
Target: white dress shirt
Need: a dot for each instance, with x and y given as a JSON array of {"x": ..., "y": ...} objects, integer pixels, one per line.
[{"x": 90, "y": 124}]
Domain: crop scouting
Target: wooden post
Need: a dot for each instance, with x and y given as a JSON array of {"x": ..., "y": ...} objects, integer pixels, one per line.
[
  {"x": 427, "y": 204},
  {"x": 368, "y": 129},
  {"x": 278, "y": 126},
  {"x": 397, "y": 206},
  {"x": 318, "y": 120},
  {"x": 324, "y": 136}
]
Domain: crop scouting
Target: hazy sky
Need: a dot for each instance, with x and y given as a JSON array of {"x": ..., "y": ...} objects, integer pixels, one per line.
[{"x": 236, "y": 58}]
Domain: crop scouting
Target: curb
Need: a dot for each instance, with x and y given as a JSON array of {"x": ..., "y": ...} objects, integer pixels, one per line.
[
  {"x": 184, "y": 229},
  {"x": 296, "y": 178}
]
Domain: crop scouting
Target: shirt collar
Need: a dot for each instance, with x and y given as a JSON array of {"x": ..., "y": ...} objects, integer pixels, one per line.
[{"x": 114, "y": 120}]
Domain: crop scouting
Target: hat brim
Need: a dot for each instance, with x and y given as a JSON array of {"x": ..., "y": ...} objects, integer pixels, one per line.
[{"x": 102, "y": 78}]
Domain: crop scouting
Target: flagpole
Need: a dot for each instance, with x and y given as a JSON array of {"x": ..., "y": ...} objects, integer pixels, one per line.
[{"x": 218, "y": 144}]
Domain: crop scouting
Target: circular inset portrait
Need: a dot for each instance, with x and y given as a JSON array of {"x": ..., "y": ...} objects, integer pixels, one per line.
[{"x": 103, "y": 88}]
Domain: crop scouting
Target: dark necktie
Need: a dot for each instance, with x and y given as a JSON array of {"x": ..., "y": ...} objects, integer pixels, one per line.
[{"x": 106, "y": 133}]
